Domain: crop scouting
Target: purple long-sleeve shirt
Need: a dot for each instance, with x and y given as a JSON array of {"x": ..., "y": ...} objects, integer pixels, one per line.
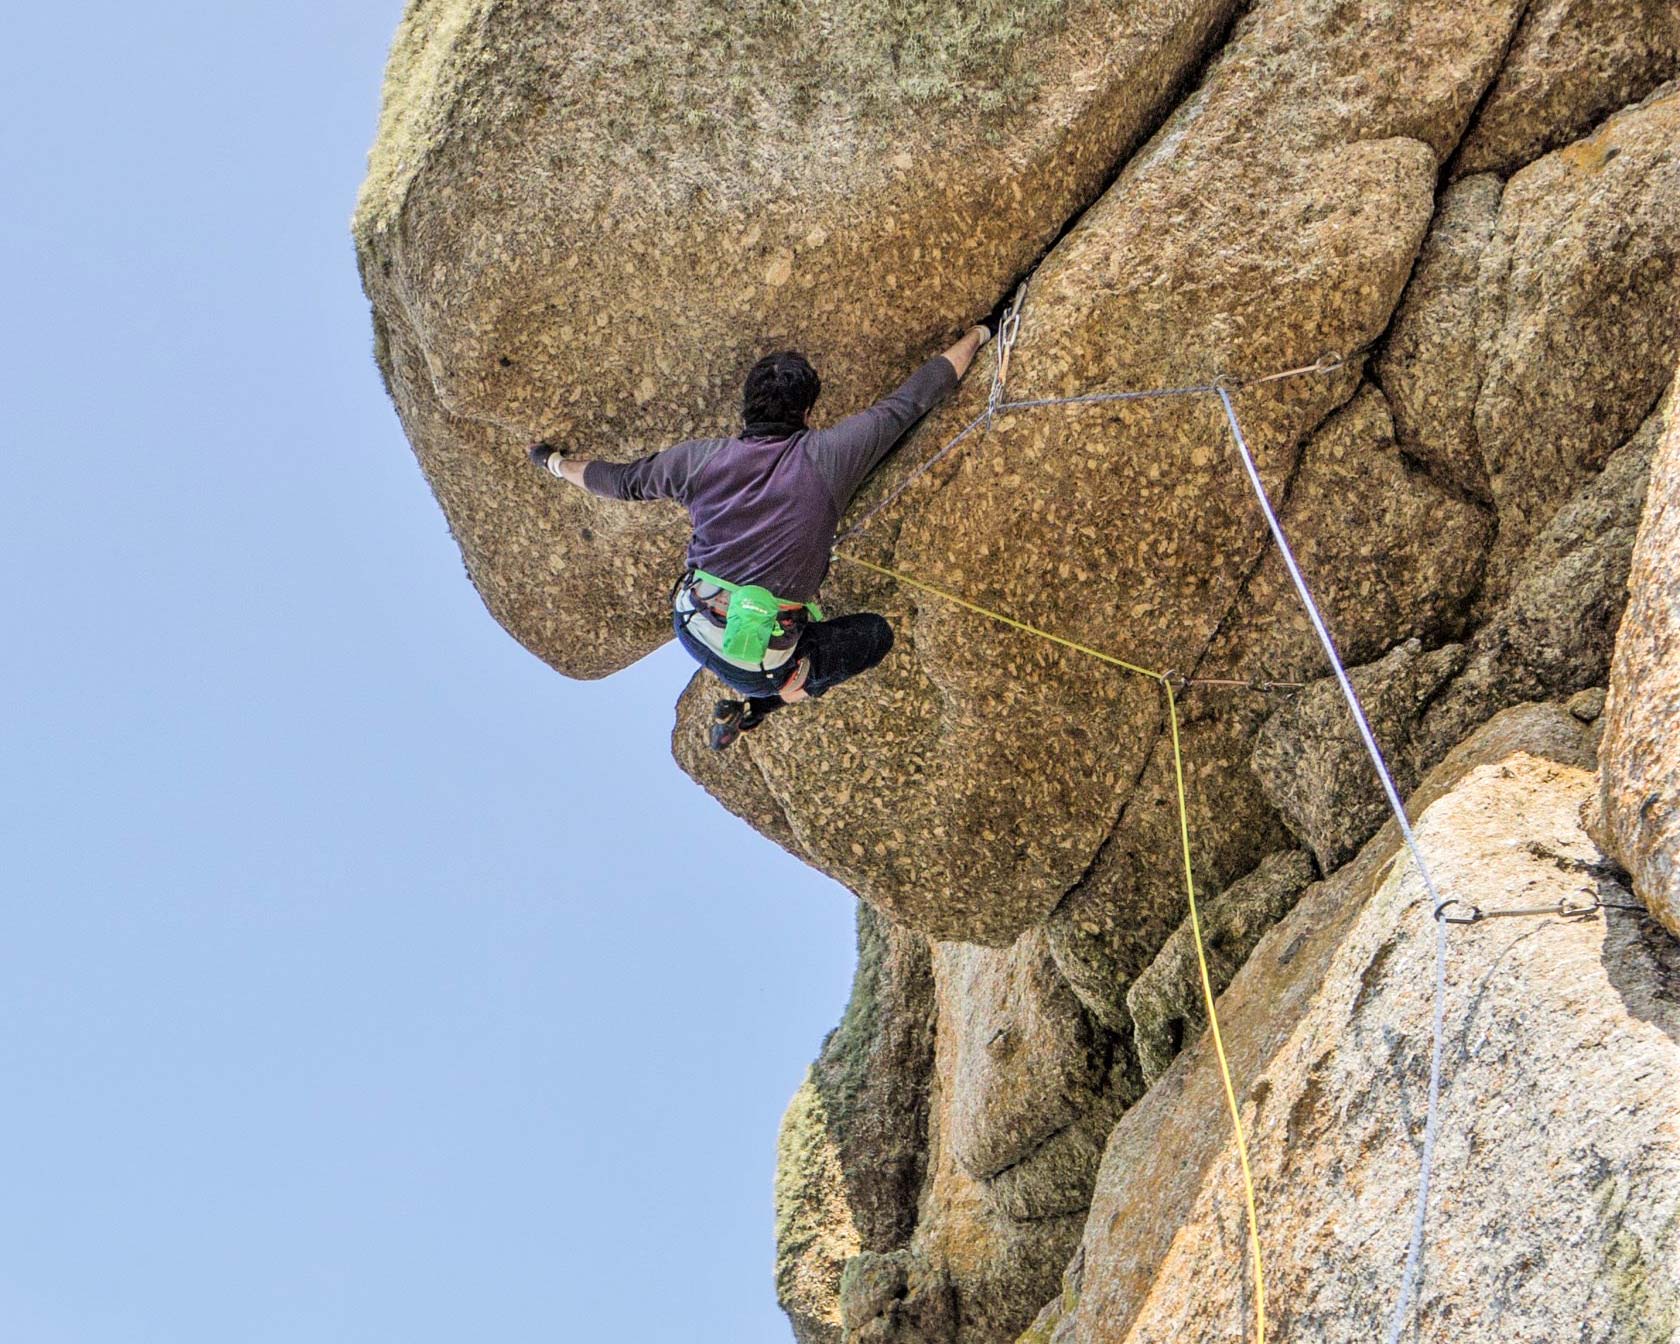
[{"x": 765, "y": 510}]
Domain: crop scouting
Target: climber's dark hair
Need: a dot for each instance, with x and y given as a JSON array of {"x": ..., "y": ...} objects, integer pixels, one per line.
[{"x": 780, "y": 390}]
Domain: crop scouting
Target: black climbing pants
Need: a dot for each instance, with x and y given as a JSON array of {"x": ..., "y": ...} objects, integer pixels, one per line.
[{"x": 838, "y": 649}]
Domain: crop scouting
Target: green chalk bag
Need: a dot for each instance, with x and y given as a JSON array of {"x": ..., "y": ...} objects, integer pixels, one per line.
[{"x": 754, "y": 620}]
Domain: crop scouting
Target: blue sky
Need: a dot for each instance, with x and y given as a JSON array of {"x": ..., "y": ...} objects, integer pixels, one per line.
[{"x": 343, "y": 996}]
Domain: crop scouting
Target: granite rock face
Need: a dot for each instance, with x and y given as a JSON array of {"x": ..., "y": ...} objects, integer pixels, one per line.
[
  {"x": 816, "y": 1234},
  {"x": 1314, "y": 764},
  {"x": 1166, "y": 1002},
  {"x": 1639, "y": 821},
  {"x": 1552, "y": 634},
  {"x": 1130, "y": 521},
  {"x": 1571, "y": 63},
  {"x": 1026, "y": 1088},
  {"x": 1371, "y": 531},
  {"x": 1581, "y": 284},
  {"x": 852, "y": 1152},
  {"x": 585, "y": 222},
  {"x": 1430, "y": 366},
  {"x": 1556, "y": 1204}
]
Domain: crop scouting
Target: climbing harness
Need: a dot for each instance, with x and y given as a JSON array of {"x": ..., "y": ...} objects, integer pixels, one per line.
[
  {"x": 811, "y": 608},
  {"x": 755, "y": 618},
  {"x": 742, "y": 623}
]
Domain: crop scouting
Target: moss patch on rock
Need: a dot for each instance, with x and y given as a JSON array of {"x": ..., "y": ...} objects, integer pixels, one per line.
[{"x": 815, "y": 1235}]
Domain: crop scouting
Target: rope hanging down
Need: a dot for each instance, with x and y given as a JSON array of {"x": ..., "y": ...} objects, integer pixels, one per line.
[
  {"x": 1431, "y": 1128},
  {"x": 1166, "y": 680},
  {"x": 1222, "y": 388}
]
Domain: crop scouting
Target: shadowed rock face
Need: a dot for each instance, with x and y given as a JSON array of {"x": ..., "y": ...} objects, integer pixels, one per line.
[
  {"x": 1639, "y": 821},
  {"x": 852, "y": 1151},
  {"x": 1431, "y": 364},
  {"x": 586, "y": 223},
  {"x": 1580, "y": 284},
  {"x": 1166, "y": 1001},
  {"x": 1552, "y": 633},
  {"x": 1314, "y": 766}
]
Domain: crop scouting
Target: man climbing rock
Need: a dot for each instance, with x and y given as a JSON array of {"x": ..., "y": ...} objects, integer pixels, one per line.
[{"x": 765, "y": 505}]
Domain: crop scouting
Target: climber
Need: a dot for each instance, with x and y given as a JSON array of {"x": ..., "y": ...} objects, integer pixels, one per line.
[{"x": 765, "y": 505}]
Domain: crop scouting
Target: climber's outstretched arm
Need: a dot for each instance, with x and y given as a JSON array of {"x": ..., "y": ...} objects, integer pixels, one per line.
[
  {"x": 663, "y": 475},
  {"x": 847, "y": 452},
  {"x": 551, "y": 459},
  {"x": 963, "y": 352}
]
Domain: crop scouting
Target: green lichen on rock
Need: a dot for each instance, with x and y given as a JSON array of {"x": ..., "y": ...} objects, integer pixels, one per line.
[
  {"x": 674, "y": 85},
  {"x": 898, "y": 1298},
  {"x": 853, "y": 1145},
  {"x": 1054, "y": 1324},
  {"x": 1645, "y": 1300},
  {"x": 873, "y": 1077},
  {"x": 432, "y": 50},
  {"x": 815, "y": 1235},
  {"x": 845, "y": 1051}
]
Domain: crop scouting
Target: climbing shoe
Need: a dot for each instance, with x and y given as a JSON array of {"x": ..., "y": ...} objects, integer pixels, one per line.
[
  {"x": 731, "y": 718},
  {"x": 728, "y": 722},
  {"x": 545, "y": 456}
]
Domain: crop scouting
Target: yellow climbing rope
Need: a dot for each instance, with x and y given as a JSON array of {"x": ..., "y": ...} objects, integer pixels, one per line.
[
  {"x": 1220, "y": 387},
  {"x": 1086, "y": 649},
  {"x": 1213, "y": 1025},
  {"x": 1166, "y": 682}
]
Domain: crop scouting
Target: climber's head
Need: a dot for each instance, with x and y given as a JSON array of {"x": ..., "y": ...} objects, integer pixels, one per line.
[{"x": 779, "y": 392}]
